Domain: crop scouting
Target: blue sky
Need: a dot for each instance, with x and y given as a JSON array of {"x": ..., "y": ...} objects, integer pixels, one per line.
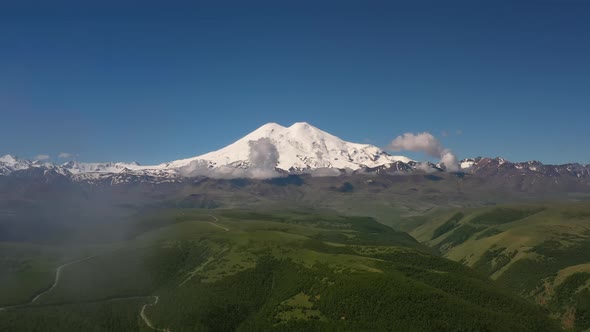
[{"x": 157, "y": 81}]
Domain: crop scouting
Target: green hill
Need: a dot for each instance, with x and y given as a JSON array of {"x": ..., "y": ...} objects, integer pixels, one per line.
[
  {"x": 226, "y": 270},
  {"x": 541, "y": 252}
]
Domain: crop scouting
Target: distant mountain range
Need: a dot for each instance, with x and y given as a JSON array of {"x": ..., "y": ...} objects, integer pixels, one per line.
[{"x": 274, "y": 150}]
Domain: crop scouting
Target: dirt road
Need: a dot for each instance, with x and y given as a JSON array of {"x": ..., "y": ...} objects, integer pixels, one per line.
[{"x": 214, "y": 223}]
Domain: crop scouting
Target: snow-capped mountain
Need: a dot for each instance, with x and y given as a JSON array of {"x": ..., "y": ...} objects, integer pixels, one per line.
[
  {"x": 76, "y": 167},
  {"x": 502, "y": 167},
  {"x": 9, "y": 164},
  {"x": 300, "y": 147}
]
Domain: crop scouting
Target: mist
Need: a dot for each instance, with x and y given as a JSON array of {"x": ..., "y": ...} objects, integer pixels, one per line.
[
  {"x": 324, "y": 172},
  {"x": 263, "y": 156}
]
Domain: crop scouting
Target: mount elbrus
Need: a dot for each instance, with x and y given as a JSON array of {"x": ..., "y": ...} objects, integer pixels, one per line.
[{"x": 273, "y": 151}]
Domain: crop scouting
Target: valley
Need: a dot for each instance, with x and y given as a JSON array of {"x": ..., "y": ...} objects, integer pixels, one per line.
[{"x": 274, "y": 271}]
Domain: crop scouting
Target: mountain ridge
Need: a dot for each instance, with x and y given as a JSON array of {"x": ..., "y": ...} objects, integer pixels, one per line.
[{"x": 298, "y": 149}]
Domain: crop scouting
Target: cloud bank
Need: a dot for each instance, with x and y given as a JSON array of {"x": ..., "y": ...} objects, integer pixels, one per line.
[{"x": 425, "y": 142}]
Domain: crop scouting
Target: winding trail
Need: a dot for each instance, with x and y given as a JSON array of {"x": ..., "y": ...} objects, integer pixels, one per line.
[
  {"x": 14, "y": 306},
  {"x": 142, "y": 314},
  {"x": 214, "y": 223},
  {"x": 210, "y": 259},
  {"x": 58, "y": 273},
  {"x": 147, "y": 321}
]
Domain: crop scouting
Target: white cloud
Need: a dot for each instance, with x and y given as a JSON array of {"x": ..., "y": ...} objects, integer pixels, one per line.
[
  {"x": 422, "y": 142},
  {"x": 264, "y": 157},
  {"x": 425, "y": 142},
  {"x": 424, "y": 167},
  {"x": 449, "y": 159},
  {"x": 64, "y": 155},
  {"x": 42, "y": 157}
]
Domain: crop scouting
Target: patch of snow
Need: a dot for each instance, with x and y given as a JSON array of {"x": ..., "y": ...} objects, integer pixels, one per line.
[
  {"x": 466, "y": 164},
  {"x": 7, "y": 159},
  {"x": 9, "y": 164}
]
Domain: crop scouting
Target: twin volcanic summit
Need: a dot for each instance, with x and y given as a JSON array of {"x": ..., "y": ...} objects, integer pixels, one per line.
[{"x": 273, "y": 151}]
